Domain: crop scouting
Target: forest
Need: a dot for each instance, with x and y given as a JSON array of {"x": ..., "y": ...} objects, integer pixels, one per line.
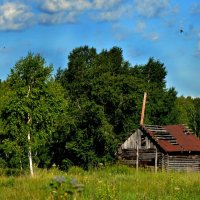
[{"x": 79, "y": 116}]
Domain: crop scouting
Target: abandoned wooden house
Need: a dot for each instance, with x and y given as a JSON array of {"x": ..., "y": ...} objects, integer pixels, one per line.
[{"x": 171, "y": 147}]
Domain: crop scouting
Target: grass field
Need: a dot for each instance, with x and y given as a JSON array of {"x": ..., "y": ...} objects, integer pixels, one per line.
[{"x": 114, "y": 182}]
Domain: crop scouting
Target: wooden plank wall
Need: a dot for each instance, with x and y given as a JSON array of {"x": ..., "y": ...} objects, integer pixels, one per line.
[
  {"x": 182, "y": 163},
  {"x": 166, "y": 162},
  {"x": 133, "y": 141},
  {"x": 146, "y": 157}
]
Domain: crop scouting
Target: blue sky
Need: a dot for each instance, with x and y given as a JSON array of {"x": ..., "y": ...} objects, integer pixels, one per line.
[{"x": 143, "y": 29}]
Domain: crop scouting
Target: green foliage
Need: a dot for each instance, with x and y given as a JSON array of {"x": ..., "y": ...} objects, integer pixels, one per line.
[
  {"x": 2, "y": 163},
  {"x": 155, "y": 72},
  {"x": 106, "y": 94},
  {"x": 189, "y": 112},
  {"x": 63, "y": 187},
  {"x": 33, "y": 108},
  {"x": 196, "y": 122},
  {"x": 11, "y": 172},
  {"x": 109, "y": 81},
  {"x": 81, "y": 116},
  {"x": 160, "y": 108},
  {"x": 91, "y": 140}
]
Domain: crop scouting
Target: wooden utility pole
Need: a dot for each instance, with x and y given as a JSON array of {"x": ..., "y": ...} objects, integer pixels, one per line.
[{"x": 143, "y": 109}]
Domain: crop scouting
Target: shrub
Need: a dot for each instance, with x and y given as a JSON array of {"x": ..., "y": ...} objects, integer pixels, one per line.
[
  {"x": 11, "y": 172},
  {"x": 65, "y": 188}
]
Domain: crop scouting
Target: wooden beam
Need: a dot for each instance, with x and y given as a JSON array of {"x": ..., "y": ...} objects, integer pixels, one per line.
[{"x": 143, "y": 109}]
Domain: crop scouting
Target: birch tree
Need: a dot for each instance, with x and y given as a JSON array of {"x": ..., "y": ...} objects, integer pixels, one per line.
[{"x": 30, "y": 115}]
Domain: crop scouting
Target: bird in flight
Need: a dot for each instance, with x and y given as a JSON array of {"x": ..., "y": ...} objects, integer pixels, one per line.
[{"x": 181, "y": 30}]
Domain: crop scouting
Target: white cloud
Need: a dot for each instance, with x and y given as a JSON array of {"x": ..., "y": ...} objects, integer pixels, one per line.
[
  {"x": 175, "y": 9},
  {"x": 195, "y": 8},
  {"x": 57, "y": 18},
  {"x": 63, "y": 5},
  {"x": 151, "y": 8},
  {"x": 140, "y": 26},
  {"x": 64, "y": 11},
  {"x": 153, "y": 36},
  {"x": 104, "y": 9},
  {"x": 14, "y": 16},
  {"x": 79, "y": 5},
  {"x": 197, "y": 49},
  {"x": 113, "y": 14},
  {"x": 61, "y": 11},
  {"x": 121, "y": 32},
  {"x": 105, "y": 4}
]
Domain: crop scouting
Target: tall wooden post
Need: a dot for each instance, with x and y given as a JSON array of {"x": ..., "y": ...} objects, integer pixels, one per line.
[
  {"x": 137, "y": 154},
  {"x": 156, "y": 160},
  {"x": 163, "y": 162},
  {"x": 143, "y": 109}
]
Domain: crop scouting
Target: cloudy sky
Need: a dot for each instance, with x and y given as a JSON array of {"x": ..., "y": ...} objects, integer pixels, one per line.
[{"x": 168, "y": 30}]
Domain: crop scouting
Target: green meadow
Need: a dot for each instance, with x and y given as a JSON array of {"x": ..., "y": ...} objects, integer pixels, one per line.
[{"x": 112, "y": 182}]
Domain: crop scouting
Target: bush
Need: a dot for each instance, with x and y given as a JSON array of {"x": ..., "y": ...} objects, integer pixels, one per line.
[
  {"x": 2, "y": 163},
  {"x": 65, "y": 188},
  {"x": 66, "y": 164},
  {"x": 11, "y": 172}
]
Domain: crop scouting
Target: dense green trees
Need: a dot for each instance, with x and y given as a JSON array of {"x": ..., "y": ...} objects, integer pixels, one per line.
[
  {"x": 189, "y": 112},
  {"x": 30, "y": 113},
  {"x": 80, "y": 116},
  {"x": 106, "y": 81}
]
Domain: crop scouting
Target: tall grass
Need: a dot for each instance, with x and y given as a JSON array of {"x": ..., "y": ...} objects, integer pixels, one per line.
[{"x": 114, "y": 183}]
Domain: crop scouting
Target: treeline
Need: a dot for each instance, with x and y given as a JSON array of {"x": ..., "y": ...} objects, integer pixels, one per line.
[{"x": 81, "y": 114}]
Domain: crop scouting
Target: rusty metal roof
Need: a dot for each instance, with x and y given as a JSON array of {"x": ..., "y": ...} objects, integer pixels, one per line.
[{"x": 173, "y": 138}]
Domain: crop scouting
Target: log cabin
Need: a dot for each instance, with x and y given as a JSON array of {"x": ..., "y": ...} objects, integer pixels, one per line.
[{"x": 171, "y": 147}]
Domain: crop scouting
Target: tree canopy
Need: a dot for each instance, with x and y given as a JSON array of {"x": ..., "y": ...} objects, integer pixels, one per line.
[{"x": 81, "y": 115}]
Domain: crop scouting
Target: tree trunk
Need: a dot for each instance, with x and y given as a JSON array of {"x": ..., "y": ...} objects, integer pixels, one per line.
[
  {"x": 30, "y": 155},
  {"x": 29, "y": 141}
]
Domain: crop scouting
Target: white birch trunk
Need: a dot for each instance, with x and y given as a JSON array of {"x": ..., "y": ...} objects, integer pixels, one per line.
[
  {"x": 30, "y": 155},
  {"x": 29, "y": 142}
]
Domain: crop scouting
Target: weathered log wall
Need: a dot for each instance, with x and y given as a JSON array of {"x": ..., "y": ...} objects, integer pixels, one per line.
[
  {"x": 182, "y": 163},
  {"x": 146, "y": 156},
  {"x": 167, "y": 162}
]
